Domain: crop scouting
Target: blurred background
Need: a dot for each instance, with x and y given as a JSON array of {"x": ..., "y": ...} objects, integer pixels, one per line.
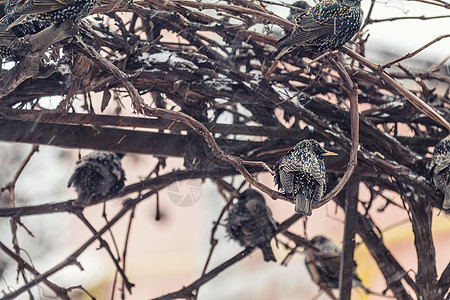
[{"x": 170, "y": 253}]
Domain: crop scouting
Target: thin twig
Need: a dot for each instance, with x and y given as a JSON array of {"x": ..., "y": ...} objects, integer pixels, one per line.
[
  {"x": 354, "y": 120},
  {"x": 416, "y": 101},
  {"x": 409, "y": 55},
  {"x": 105, "y": 245},
  {"x": 59, "y": 291},
  {"x": 72, "y": 258},
  {"x": 371, "y": 21},
  {"x": 186, "y": 292}
]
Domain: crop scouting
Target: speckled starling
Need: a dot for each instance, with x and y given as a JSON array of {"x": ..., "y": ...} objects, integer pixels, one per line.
[
  {"x": 440, "y": 169},
  {"x": 31, "y": 16},
  {"x": 302, "y": 8},
  {"x": 326, "y": 26},
  {"x": 6, "y": 39},
  {"x": 301, "y": 174},
  {"x": 328, "y": 262},
  {"x": 250, "y": 223},
  {"x": 97, "y": 174}
]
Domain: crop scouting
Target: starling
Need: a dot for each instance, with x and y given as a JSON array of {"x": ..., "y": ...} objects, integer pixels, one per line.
[
  {"x": 301, "y": 174},
  {"x": 31, "y": 16},
  {"x": 328, "y": 263},
  {"x": 250, "y": 223},
  {"x": 302, "y": 8},
  {"x": 326, "y": 26},
  {"x": 98, "y": 173},
  {"x": 6, "y": 39},
  {"x": 440, "y": 169}
]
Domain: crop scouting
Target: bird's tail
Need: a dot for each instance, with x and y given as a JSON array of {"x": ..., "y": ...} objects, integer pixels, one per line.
[
  {"x": 267, "y": 252},
  {"x": 302, "y": 203},
  {"x": 446, "y": 204}
]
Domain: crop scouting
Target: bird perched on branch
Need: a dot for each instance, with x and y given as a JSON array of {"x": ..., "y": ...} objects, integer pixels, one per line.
[
  {"x": 250, "y": 223},
  {"x": 301, "y": 174},
  {"x": 24, "y": 17},
  {"x": 97, "y": 174},
  {"x": 440, "y": 169},
  {"x": 327, "y": 263},
  {"x": 326, "y": 26}
]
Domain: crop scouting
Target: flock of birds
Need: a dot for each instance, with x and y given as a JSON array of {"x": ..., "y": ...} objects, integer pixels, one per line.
[
  {"x": 300, "y": 174},
  {"x": 326, "y": 26}
]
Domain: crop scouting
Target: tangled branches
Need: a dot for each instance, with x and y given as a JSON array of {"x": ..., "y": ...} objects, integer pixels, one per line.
[{"x": 176, "y": 70}]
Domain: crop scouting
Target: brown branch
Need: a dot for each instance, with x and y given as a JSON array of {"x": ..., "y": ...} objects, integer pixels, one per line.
[
  {"x": 59, "y": 291},
  {"x": 416, "y": 101},
  {"x": 199, "y": 128},
  {"x": 213, "y": 241},
  {"x": 443, "y": 284},
  {"x": 346, "y": 270},
  {"x": 236, "y": 162},
  {"x": 369, "y": 14},
  {"x": 105, "y": 245},
  {"x": 388, "y": 265},
  {"x": 409, "y": 55},
  {"x": 421, "y": 214},
  {"x": 266, "y": 17},
  {"x": 151, "y": 183},
  {"x": 371, "y": 21},
  {"x": 12, "y": 183},
  {"x": 354, "y": 123},
  {"x": 72, "y": 258},
  {"x": 125, "y": 247},
  {"x": 32, "y": 66},
  {"x": 137, "y": 102},
  {"x": 444, "y": 5},
  {"x": 299, "y": 241},
  {"x": 186, "y": 292},
  {"x": 38, "y": 116}
]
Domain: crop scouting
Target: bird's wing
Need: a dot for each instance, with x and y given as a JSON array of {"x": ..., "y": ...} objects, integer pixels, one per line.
[
  {"x": 319, "y": 21},
  {"x": 22, "y": 10},
  {"x": 287, "y": 181},
  {"x": 40, "y": 6},
  {"x": 441, "y": 162},
  {"x": 332, "y": 263},
  {"x": 5, "y": 35}
]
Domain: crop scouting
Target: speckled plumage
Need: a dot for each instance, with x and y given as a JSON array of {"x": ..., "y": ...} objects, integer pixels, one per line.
[
  {"x": 97, "y": 174},
  {"x": 6, "y": 39},
  {"x": 31, "y": 16},
  {"x": 328, "y": 262},
  {"x": 301, "y": 174},
  {"x": 440, "y": 169},
  {"x": 5, "y": 51},
  {"x": 326, "y": 26},
  {"x": 250, "y": 223}
]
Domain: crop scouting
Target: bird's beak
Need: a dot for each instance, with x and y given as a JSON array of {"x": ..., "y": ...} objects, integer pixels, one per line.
[{"x": 329, "y": 153}]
